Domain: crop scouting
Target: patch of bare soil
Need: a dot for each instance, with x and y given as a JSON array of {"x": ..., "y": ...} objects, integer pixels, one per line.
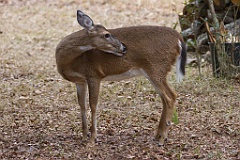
[{"x": 39, "y": 113}]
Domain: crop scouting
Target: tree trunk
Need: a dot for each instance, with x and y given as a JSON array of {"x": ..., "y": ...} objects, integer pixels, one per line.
[{"x": 217, "y": 66}]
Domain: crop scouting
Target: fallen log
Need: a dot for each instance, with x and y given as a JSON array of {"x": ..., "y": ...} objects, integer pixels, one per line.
[{"x": 233, "y": 28}]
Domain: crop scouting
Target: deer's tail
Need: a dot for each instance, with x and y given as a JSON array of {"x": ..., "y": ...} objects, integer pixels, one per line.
[{"x": 181, "y": 61}]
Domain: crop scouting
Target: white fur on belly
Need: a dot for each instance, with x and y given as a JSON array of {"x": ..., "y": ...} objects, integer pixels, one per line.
[{"x": 135, "y": 72}]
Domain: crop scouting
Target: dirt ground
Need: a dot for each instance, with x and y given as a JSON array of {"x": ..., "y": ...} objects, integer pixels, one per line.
[{"x": 39, "y": 113}]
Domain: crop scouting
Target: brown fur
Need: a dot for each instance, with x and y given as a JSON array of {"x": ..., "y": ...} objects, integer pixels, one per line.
[{"x": 153, "y": 49}]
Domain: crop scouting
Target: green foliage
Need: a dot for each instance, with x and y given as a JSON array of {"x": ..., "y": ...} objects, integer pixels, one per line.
[{"x": 175, "y": 117}]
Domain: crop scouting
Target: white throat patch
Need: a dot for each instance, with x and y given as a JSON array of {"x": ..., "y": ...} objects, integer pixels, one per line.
[{"x": 85, "y": 48}]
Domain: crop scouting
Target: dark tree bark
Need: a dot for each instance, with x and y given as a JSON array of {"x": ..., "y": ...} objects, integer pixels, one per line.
[{"x": 217, "y": 65}]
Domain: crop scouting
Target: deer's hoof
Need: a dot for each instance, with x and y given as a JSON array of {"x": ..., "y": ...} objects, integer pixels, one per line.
[{"x": 161, "y": 140}]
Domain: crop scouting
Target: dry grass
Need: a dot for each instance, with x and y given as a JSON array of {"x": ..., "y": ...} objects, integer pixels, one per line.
[{"x": 39, "y": 115}]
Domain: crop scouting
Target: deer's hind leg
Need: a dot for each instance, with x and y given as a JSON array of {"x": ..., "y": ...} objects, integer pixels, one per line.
[{"x": 168, "y": 98}]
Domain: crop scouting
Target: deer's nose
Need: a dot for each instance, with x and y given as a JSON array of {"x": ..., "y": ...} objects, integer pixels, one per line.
[{"x": 123, "y": 48}]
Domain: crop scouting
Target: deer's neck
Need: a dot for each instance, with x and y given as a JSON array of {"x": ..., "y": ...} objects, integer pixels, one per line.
[{"x": 70, "y": 48}]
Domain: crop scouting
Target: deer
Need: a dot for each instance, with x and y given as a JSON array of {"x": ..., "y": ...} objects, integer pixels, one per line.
[{"x": 94, "y": 54}]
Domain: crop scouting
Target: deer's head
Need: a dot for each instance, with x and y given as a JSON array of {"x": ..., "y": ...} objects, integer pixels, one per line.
[{"x": 100, "y": 37}]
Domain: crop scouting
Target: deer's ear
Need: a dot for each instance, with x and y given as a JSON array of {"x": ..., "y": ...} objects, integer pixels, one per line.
[{"x": 85, "y": 21}]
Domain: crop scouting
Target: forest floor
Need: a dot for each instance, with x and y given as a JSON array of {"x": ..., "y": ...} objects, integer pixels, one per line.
[{"x": 39, "y": 113}]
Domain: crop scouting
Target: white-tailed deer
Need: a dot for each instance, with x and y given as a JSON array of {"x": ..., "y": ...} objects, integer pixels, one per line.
[{"x": 95, "y": 53}]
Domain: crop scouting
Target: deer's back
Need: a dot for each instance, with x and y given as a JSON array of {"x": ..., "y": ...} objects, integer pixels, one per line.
[{"x": 147, "y": 46}]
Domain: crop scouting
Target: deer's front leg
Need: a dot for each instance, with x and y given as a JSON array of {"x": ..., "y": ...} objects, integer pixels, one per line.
[
  {"x": 93, "y": 87},
  {"x": 81, "y": 94}
]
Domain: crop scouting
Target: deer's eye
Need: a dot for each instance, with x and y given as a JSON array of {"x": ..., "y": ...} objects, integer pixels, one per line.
[{"x": 107, "y": 35}]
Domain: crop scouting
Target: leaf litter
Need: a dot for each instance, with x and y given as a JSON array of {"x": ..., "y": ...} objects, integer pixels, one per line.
[{"x": 39, "y": 113}]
